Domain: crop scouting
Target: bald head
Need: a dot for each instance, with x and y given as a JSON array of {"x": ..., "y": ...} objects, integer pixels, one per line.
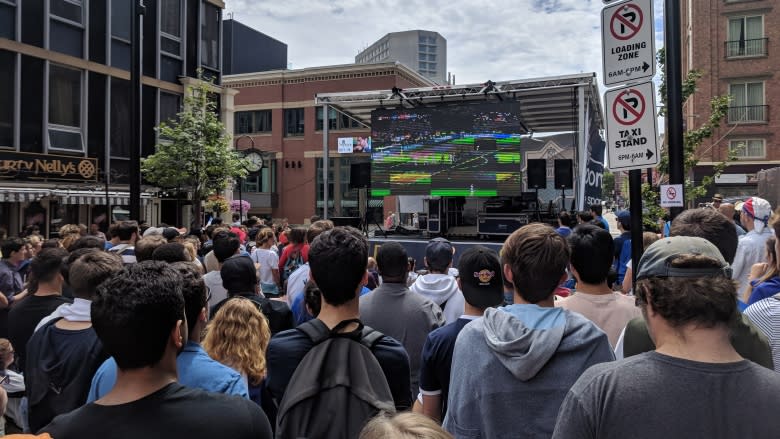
[{"x": 727, "y": 209}]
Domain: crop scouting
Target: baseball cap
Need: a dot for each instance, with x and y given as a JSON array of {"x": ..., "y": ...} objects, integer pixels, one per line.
[
  {"x": 624, "y": 217},
  {"x": 438, "y": 253},
  {"x": 238, "y": 274},
  {"x": 480, "y": 277},
  {"x": 760, "y": 210},
  {"x": 657, "y": 259}
]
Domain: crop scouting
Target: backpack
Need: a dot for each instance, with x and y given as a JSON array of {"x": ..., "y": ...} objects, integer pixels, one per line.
[
  {"x": 337, "y": 387},
  {"x": 293, "y": 262}
]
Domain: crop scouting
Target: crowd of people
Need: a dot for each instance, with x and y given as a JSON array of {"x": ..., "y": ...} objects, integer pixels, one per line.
[{"x": 254, "y": 331}]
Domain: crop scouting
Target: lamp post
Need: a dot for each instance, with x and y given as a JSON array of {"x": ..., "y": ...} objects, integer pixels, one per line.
[{"x": 241, "y": 180}]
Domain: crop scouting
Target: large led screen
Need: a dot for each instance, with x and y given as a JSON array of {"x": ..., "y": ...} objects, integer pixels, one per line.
[{"x": 468, "y": 150}]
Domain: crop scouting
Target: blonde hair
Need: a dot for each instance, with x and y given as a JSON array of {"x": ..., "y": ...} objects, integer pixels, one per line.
[
  {"x": 263, "y": 235},
  {"x": 406, "y": 425},
  {"x": 69, "y": 233},
  {"x": 5, "y": 351},
  {"x": 238, "y": 336}
]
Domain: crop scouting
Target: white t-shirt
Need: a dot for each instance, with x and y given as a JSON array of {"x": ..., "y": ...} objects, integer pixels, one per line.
[
  {"x": 296, "y": 283},
  {"x": 268, "y": 261},
  {"x": 218, "y": 293}
]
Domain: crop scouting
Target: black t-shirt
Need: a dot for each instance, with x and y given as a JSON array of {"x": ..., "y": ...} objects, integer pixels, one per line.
[
  {"x": 287, "y": 349},
  {"x": 172, "y": 412},
  {"x": 24, "y": 316}
]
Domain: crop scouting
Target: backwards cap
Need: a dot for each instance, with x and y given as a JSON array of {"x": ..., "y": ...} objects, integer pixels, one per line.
[{"x": 760, "y": 210}]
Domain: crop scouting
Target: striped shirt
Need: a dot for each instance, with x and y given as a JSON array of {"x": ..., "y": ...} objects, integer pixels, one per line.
[{"x": 765, "y": 315}]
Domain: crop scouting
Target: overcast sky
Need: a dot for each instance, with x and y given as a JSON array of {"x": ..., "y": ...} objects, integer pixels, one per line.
[{"x": 496, "y": 40}]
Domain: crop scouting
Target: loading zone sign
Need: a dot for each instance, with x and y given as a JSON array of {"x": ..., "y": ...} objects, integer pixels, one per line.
[
  {"x": 632, "y": 130},
  {"x": 628, "y": 43}
]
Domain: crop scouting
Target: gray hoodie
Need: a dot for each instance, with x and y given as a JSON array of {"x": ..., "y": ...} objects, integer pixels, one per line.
[
  {"x": 512, "y": 368},
  {"x": 441, "y": 288}
]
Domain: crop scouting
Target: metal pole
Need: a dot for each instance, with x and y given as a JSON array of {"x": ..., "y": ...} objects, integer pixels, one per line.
[
  {"x": 635, "y": 194},
  {"x": 240, "y": 199},
  {"x": 135, "y": 110},
  {"x": 325, "y": 161},
  {"x": 108, "y": 202},
  {"x": 650, "y": 176},
  {"x": 674, "y": 118}
]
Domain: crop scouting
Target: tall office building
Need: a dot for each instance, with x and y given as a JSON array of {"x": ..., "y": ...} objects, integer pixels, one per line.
[
  {"x": 65, "y": 94},
  {"x": 421, "y": 50},
  {"x": 732, "y": 42}
]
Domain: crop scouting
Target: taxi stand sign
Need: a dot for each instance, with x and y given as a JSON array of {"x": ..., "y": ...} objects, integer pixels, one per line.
[
  {"x": 628, "y": 41},
  {"x": 632, "y": 130}
]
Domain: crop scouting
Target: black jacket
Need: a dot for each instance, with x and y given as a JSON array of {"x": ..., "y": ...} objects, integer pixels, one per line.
[{"x": 279, "y": 316}]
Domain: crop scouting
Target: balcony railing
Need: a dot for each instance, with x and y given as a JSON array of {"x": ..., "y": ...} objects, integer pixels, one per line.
[
  {"x": 750, "y": 113},
  {"x": 740, "y": 48}
]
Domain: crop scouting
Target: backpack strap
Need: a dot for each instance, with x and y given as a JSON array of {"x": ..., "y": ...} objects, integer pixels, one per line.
[
  {"x": 370, "y": 337},
  {"x": 315, "y": 330}
]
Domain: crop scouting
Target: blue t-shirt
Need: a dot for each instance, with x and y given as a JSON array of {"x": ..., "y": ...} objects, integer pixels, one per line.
[
  {"x": 603, "y": 221},
  {"x": 437, "y": 360},
  {"x": 196, "y": 369},
  {"x": 765, "y": 289}
]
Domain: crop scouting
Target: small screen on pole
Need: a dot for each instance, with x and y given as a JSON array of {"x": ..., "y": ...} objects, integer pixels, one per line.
[{"x": 463, "y": 150}]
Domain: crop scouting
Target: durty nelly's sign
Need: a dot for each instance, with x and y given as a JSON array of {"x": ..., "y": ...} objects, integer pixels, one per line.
[{"x": 21, "y": 165}]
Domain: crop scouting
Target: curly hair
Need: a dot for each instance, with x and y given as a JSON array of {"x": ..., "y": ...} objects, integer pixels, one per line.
[
  {"x": 703, "y": 301},
  {"x": 238, "y": 337}
]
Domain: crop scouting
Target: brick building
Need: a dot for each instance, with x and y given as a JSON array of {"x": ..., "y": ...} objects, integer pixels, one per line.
[
  {"x": 276, "y": 117},
  {"x": 734, "y": 44}
]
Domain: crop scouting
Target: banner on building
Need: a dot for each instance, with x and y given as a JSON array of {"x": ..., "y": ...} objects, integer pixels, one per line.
[{"x": 22, "y": 165}]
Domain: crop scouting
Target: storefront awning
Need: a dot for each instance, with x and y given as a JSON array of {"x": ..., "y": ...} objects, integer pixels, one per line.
[{"x": 13, "y": 195}]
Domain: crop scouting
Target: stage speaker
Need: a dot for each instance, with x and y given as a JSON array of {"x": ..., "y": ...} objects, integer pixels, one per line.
[
  {"x": 343, "y": 221},
  {"x": 537, "y": 173},
  {"x": 402, "y": 230},
  {"x": 564, "y": 179},
  {"x": 360, "y": 175}
]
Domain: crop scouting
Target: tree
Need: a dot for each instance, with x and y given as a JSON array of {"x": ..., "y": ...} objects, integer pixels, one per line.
[
  {"x": 692, "y": 140},
  {"x": 194, "y": 152}
]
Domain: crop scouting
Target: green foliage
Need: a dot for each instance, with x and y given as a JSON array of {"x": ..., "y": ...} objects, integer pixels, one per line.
[
  {"x": 194, "y": 152},
  {"x": 608, "y": 185},
  {"x": 692, "y": 140}
]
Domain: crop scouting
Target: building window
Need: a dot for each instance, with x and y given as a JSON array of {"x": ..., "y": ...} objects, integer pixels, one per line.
[
  {"x": 68, "y": 9},
  {"x": 336, "y": 121},
  {"x": 746, "y": 37},
  {"x": 8, "y": 19},
  {"x": 65, "y": 104},
  {"x": 248, "y": 122},
  {"x": 121, "y": 21},
  {"x": 7, "y": 81},
  {"x": 209, "y": 36},
  {"x": 170, "y": 106},
  {"x": 170, "y": 40},
  {"x": 748, "y": 148},
  {"x": 293, "y": 122},
  {"x": 66, "y": 32},
  {"x": 747, "y": 103}
]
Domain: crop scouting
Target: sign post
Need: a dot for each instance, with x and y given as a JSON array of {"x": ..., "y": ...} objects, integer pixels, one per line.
[
  {"x": 628, "y": 43},
  {"x": 628, "y": 48}
]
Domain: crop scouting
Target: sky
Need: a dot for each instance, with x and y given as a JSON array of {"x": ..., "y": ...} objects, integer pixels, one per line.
[{"x": 486, "y": 40}]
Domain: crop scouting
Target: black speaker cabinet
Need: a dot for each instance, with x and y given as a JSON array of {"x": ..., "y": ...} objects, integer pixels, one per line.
[
  {"x": 537, "y": 174},
  {"x": 360, "y": 175},
  {"x": 564, "y": 178}
]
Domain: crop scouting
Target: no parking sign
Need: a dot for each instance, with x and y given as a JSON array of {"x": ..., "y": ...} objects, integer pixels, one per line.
[{"x": 672, "y": 195}]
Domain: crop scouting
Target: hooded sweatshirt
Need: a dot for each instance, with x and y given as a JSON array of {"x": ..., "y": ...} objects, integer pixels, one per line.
[
  {"x": 512, "y": 368},
  {"x": 441, "y": 289}
]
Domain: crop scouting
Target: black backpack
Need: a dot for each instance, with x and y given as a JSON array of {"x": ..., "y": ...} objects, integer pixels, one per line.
[{"x": 337, "y": 387}]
